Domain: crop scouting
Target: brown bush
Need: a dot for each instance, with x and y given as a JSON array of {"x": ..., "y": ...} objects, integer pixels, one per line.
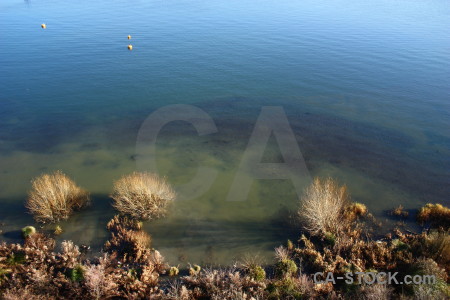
[
  {"x": 142, "y": 195},
  {"x": 434, "y": 244},
  {"x": 375, "y": 292},
  {"x": 24, "y": 293},
  {"x": 222, "y": 284},
  {"x": 54, "y": 197},
  {"x": 127, "y": 238},
  {"x": 98, "y": 281},
  {"x": 34, "y": 271}
]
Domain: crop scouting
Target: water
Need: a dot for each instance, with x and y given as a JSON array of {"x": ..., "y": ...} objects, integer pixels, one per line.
[{"x": 365, "y": 87}]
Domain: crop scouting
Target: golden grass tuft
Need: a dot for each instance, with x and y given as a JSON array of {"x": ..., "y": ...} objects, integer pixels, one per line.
[
  {"x": 323, "y": 205},
  {"x": 436, "y": 214},
  {"x": 142, "y": 196},
  {"x": 54, "y": 197},
  {"x": 354, "y": 211}
]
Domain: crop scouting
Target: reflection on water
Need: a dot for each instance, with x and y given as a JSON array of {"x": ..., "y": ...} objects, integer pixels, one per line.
[{"x": 364, "y": 85}]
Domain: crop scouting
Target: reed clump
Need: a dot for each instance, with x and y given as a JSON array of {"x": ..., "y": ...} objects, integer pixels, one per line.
[
  {"x": 435, "y": 214},
  {"x": 54, "y": 197},
  {"x": 354, "y": 211},
  {"x": 143, "y": 196}
]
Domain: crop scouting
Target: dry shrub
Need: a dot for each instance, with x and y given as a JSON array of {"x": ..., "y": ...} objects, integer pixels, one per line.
[
  {"x": 222, "y": 284},
  {"x": 38, "y": 272},
  {"x": 305, "y": 286},
  {"x": 375, "y": 292},
  {"x": 282, "y": 253},
  {"x": 177, "y": 291},
  {"x": 434, "y": 245},
  {"x": 40, "y": 241},
  {"x": 434, "y": 290},
  {"x": 128, "y": 239},
  {"x": 437, "y": 245},
  {"x": 427, "y": 266},
  {"x": 70, "y": 254},
  {"x": 355, "y": 255},
  {"x": 323, "y": 206},
  {"x": 427, "y": 292},
  {"x": 301, "y": 287},
  {"x": 142, "y": 195},
  {"x": 22, "y": 294},
  {"x": 435, "y": 214},
  {"x": 97, "y": 280},
  {"x": 54, "y": 197},
  {"x": 113, "y": 278},
  {"x": 34, "y": 271}
]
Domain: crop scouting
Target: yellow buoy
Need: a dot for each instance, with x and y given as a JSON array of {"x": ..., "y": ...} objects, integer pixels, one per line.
[
  {"x": 130, "y": 47},
  {"x": 129, "y": 37},
  {"x": 43, "y": 26}
]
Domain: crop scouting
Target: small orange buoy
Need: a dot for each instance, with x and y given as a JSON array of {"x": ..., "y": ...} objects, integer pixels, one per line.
[
  {"x": 43, "y": 26},
  {"x": 129, "y": 37},
  {"x": 130, "y": 47}
]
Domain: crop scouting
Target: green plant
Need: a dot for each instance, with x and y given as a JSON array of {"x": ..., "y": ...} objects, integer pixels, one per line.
[
  {"x": 285, "y": 267},
  {"x": 195, "y": 270},
  {"x": 3, "y": 273},
  {"x": 257, "y": 273},
  {"x": 77, "y": 273},
  {"x": 330, "y": 238},
  {"x": 28, "y": 231},
  {"x": 290, "y": 245},
  {"x": 284, "y": 288},
  {"x": 173, "y": 271},
  {"x": 16, "y": 258}
]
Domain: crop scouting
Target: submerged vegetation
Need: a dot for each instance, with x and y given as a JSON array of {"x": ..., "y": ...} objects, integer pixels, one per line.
[
  {"x": 336, "y": 238},
  {"x": 54, "y": 197},
  {"x": 142, "y": 196},
  {"x": 399, "y": 212}
]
